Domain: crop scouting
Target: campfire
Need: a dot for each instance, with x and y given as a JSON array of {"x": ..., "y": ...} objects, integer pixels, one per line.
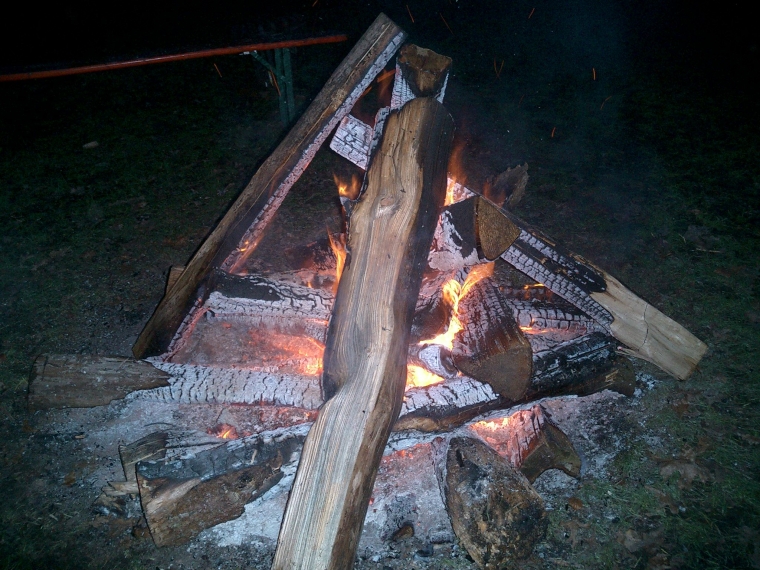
[{"x": 399, "y": 363}]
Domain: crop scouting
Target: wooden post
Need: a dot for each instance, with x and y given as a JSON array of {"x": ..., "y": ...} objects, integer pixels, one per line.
[
  {"x": 365, "y": 357},
  {"x": 255, "y": 207}
]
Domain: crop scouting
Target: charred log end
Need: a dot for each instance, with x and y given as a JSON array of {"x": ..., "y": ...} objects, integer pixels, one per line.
[
  {"x": 152, "y": 447},
  {"x": 495, "y": 231},
  {"x": 83, "y": 381},
  {"x": 554, "y": 451},
  {"x": 508, "y": 373},
  {"x": 424, "y": 70},
  {"x": 494, "y": 511}
]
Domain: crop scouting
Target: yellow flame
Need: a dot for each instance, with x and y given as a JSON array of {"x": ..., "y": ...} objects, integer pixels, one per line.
[
  {"x": 452, "y": 293},
  {"x": 418, "y": 377},
  {"x": 338, "y": 247},
  {"x": 350, "y": 189},
  {"x": 493, "y": 425}
]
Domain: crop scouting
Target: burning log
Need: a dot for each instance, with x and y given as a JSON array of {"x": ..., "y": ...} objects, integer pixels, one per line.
[
  {"x": 365, "y": 356},
  {"x": 495, "y": 512},
  {"x": 491, "y": 347},
  {"x": 251, "y": 213},
  {"x": 592, "y": 365},
  {"x": 82, "y": 381}
]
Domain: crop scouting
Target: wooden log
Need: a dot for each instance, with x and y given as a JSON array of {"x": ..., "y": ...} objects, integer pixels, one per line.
[
  {"x": 365, "y": 357},
  {"x": 247, "y": 218},
  {"x": 491, "y": 347},
  {"x": 508, "y": 188},
  {"x": 495, "y": 512},
  {"x": 84, "y": 381},
  {"x": 181, "y": 498},
  {"x": 420, "y": 72},
  {"x": 175, "y": 272}
]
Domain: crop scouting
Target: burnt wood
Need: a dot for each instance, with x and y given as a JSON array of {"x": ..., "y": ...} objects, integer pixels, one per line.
[
  {"x": 255, "y": 206},
  {"x": 365, "y": 356},
  {"x": 84, "y": 381},
  {"x": 180, "y": 498}
]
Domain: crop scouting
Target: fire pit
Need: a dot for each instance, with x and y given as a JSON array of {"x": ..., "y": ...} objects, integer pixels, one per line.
[{"x": 492, "y": 318}]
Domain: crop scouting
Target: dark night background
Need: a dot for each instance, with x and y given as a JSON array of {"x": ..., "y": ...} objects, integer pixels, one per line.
[{"x": 650, "y": 169}]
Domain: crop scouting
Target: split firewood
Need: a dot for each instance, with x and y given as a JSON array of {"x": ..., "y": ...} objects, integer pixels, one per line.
[
  {"x": 181, "y": 498},
  {"x": 496, "y": 514},
  {"x": 365, "y": 356},
  {"x": 83, "y": 381},
  {"x": 239, "y": 231},
  {"x": 491, "y": 347}
]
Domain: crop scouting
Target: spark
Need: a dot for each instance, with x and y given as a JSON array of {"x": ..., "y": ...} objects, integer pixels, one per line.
[
  {"x": 410, "y": 13},
  {"x": 445, "y": 22},
  {"x": 531, "y": 13},
  {"x": 217, "y": 70},
  {"x": 593, "y": 73},
  {"x": 553, "y": 131},
  {"x": 603, "y": 102}
]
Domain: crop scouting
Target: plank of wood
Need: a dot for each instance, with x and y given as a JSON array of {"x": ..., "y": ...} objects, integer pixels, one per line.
[
  {"x": 84, "y": 381},
  {"x": 256, "y": 205},
  {"x": 365, "y": 357}
]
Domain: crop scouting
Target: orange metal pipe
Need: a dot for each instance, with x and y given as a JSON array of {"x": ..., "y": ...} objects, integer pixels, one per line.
[{"x": 174, "y": 57}]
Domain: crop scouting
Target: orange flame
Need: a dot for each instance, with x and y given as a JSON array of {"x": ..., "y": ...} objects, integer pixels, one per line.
[
  {"x": 350, "y": 189},
  {"x": 224, "y": 431},
  {"x": 418, "y": 377},
  {"x": 453, "y": 292},
  {"x": 338, "y": 247},
  {"x": 493, "y": 425},
  {"x": 456, "y": 173}
]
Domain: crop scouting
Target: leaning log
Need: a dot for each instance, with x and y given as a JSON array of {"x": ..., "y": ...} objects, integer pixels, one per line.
[
  {"x": 365, "y": 356},
  {"x": 84, "y": 381},
  {"x": 247, "y": 218}
]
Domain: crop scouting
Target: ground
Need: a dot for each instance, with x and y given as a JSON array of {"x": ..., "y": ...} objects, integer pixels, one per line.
[{"x": 639, "y": 159}]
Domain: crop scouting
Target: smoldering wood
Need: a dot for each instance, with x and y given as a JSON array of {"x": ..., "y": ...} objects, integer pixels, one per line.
[
  {"x": 420, "y": 72},
  {"x": 517, "y": 436},
  {"x": 530, "y": 441},
  {"x": 85, "y": 381},
  {"x": 244, "y": 223},
  {"x": 495, "y": 512},
  {"x": 367, "y": 342},
  {"x": 181, "y": 498},
  {"x": 490, "y": 347}
]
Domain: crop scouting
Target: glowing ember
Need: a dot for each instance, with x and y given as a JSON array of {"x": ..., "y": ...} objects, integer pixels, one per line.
[
  {"x": 338, "y": 247},
  {"x": 418, "y": 377},
  {"x": 224, "y": 431},
  {"x": 348, "y": 190},
  {"x": 534, "y": 286},
  {"x": 531, "y": 330},
  {"x": 493, "y": 425},
  {"x": 452, "y": 294}
]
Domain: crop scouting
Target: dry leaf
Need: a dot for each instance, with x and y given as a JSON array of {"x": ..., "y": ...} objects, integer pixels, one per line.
[
  {"x": 687, "y": 470},
  {"x": 575, "y": 503}
]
